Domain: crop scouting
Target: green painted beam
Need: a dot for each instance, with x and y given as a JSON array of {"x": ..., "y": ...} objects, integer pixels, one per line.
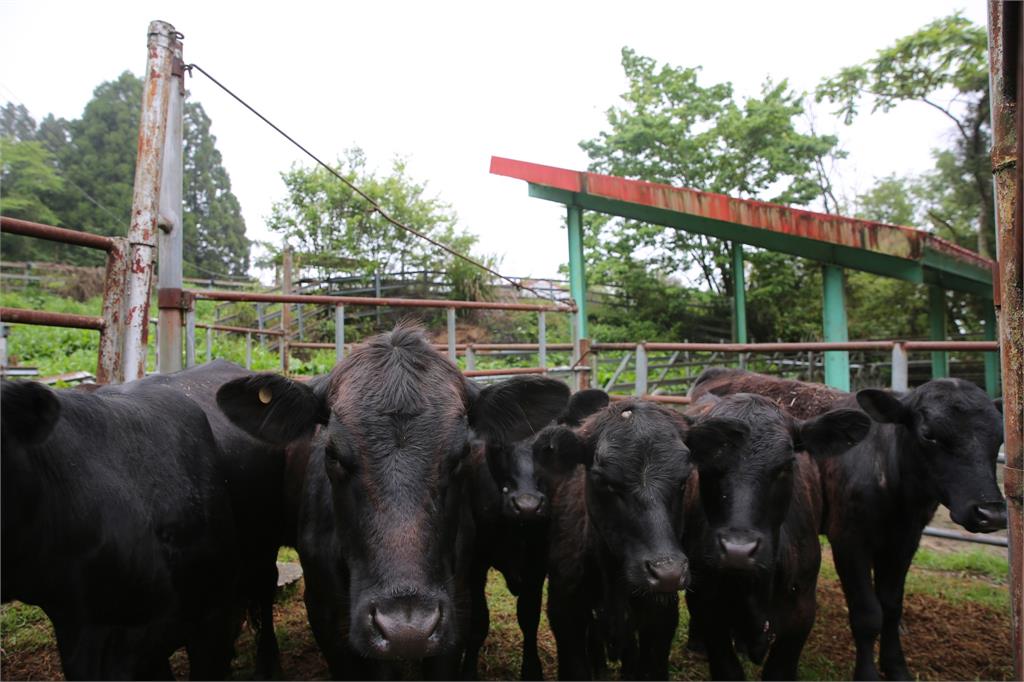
[
  {"x": 992, "y": 376},
  {"x": 577, "y": 272},
  {"x": 739, "y": 300},
  {"x": 934, "y": 268},
  {"x": 837, "y": 363},
  {"x": 937, "y": 330}
]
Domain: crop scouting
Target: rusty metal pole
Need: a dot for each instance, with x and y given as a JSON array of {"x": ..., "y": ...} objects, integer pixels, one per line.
[
  {"x": 110, "y": 368},
  {"x": 170, "y": 239},
  {"x": 286, "y": 308},
  {"x": 1006, "y": 82},
  {"x": 146, "y": 195}
]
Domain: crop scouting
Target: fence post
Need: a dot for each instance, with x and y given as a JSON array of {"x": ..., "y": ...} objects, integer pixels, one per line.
[
  {"x": 583, "y": 367},
  {"x": 190, "y": 337},
  {"x": 900, "y": 368},
  {"x": 248, "y": 350},
  {"x": 170, "y": 239},
  {"x": 259, "y": 321},
  {"x": 286, "y": 308},
  {"x": 937, "y": 325},
  {"x": 302, "y": 327},
  {"x": 376, "y": 293},
  {"x": 209, "y": 344},
  {"x": 837, "y": 362},
  {"x": 542, "y": 340},
  {"x": 3, "y": 344},
  {"x": 451, "y": 336},
  {"x": 110, "y": 368},
  {"x": 470, "y": 358},
  {"x": 641, "y": 369},
  {"x": 339, "y": 333},
  {"x": 146, "y": 195}
]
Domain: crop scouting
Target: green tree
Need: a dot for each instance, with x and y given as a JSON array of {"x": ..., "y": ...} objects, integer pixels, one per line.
[
  {"x": 95, "y": 157},
  {"x": 946, "y": 57},
  {"x": 29, "y": 183},
  {"x": 334, "y": 231}
]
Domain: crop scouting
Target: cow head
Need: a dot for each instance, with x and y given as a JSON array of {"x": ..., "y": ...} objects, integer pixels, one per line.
[
  {"x": 397, "y": 421},
  {"x": 746, "y": 487},
  {"x": 636, "y": 458},
  {"x": 953, "y": 430},
  {"x": 524, "y": 493}
]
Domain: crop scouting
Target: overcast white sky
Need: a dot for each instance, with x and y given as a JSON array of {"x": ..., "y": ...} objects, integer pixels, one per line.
[{"x": 447, "y": 85}]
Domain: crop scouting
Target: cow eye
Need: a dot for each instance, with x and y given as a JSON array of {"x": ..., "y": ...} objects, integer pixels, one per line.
[
  {"x": 333, "y": 462},
  {"x": 603, "y": 483},
  {"x": 927, "y": 435}
]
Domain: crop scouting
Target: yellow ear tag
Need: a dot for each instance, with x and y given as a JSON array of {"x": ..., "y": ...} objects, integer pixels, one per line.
[{"x": 265, "y": 395}]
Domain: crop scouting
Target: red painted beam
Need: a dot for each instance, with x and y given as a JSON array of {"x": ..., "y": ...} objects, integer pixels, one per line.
[{"x": 892, "y": 240}]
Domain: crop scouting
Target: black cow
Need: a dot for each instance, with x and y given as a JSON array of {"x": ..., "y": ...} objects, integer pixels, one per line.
[
  {"x": 935, "y": 443},
  {"x": 117, "y": 523},
  {"x": 615, "y": 560},
  {"x": 751, "y": 533},
  {"x": 255, "y": 475},
  {"x": 380, "y": 509},
  {"x": 511, "y": 520}
]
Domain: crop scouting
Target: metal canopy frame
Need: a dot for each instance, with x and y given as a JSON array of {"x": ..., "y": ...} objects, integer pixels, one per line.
[{"x": 837, "y": 242}]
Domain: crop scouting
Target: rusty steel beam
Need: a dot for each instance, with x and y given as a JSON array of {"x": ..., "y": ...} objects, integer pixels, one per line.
[
  {"x": 55, "y": 234},
  {"x": 48, "y": 319},
  {"x": 1006, "y": 86},
  {"x": 963, "y": 346},
  {"x": 254, "y": 297},
  {"x": 503, "y": 372},
  {"x": 142, "y": 233}
]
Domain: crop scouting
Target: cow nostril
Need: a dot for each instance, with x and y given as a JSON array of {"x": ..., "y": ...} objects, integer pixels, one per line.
[{"x": 990, "y": 516}]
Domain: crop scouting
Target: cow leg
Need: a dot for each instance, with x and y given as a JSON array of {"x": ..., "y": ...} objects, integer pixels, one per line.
[
  {"x": 480, "y": 621},
  {"x": 569, "y": 615},
  {"x": 657, "y": 628},
  {"x": 210, "y": 645},
  {"x": 722, "y": 659},
  {"x": 261, "y": 615},
  {"x": 528, "y": 614},
  {"x": 694, "y": 633},
  {"x": 890, "y": 576},
  {"x": 330, "y": 629},
  {"x": 853, "y": 567}
]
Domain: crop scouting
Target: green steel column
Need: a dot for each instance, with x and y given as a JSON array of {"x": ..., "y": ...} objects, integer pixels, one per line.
[
  {"x": 739, "y": 301},
  {"x": 991, "y": 359},
  {"x": 577, "y": 274},
  {"x": 937, "y": 322},
  {"x": 837, "y": 362}
]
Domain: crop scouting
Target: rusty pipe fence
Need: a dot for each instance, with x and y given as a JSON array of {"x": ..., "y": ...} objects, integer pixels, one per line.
[
  {"x": 341, "y": 345},
  {"x": 110, "y": 324}
]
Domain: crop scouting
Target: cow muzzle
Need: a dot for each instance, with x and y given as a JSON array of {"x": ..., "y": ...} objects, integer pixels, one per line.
[
  {"x": 406, "y": 627},
  {"x": 738, "y": 551},
  {"x": 667, "y": 574},
  {"x": 984, "y": 517}
]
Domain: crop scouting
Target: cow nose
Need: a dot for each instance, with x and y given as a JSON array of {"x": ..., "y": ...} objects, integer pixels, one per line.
[
  {"x": 990, "y": 516},
  {"x": 405, "y": 626},
  {"x": 667, "y": 574},
  {"x": 737, "y": 551},
  {"x": 527, "y": 505}
]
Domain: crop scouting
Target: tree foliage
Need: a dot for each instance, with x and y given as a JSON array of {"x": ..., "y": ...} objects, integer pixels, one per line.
[
  {"x": 333, "y": 231},
  {"x": 944, "y": 66},
  {"x": 93, "y": 160}
]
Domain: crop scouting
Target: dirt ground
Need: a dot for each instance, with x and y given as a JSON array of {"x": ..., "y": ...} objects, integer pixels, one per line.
[{"x": 965, "y": 640}]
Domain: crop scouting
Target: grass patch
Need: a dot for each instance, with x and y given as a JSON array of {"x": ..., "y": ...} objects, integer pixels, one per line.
[
  {"x": 24, "y": 627},
  {"x": 973, "y": 562}
]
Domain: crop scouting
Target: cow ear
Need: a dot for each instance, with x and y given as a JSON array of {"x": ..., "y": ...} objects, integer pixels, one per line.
[
  {"x": 708, "y": 438},
  {"x": 883, "y": 406},
  {"x": 582, "y": 405},
  {"x": 558, "y": 450},
  {"x": 832, "y": 433},
  {"x": 517, "y": 408},
  {"x": 30, "y": 411},
  {"x": 273, "y": 408}
]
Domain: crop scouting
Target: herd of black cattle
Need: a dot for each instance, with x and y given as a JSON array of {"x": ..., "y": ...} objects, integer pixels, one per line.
[{"x": 148, "y": 516}]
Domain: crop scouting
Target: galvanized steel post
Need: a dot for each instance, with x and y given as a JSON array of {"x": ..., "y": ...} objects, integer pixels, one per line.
[
  {"x": 900, "y": 368},
  {"x": 739, "y": 300},
  {"x": 451, "y": 336},
  {"x": 339, "y": 333},
  {"x": 470, "y": 358},
  {"x": 837, "y": 362},
  {"x": 286, "y": 308},
  {"x": 542, "y": 340},
  {"x": 170, "y": 238},
  {"x": 937, "y": 330},
  {"x": 190, "y": 337},
  {"x": 248, "y": 350},
  {"x": 1006, "y": 63},
  {"x": 641, "y": 370},
  {"x": 146, "y": 195}
]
